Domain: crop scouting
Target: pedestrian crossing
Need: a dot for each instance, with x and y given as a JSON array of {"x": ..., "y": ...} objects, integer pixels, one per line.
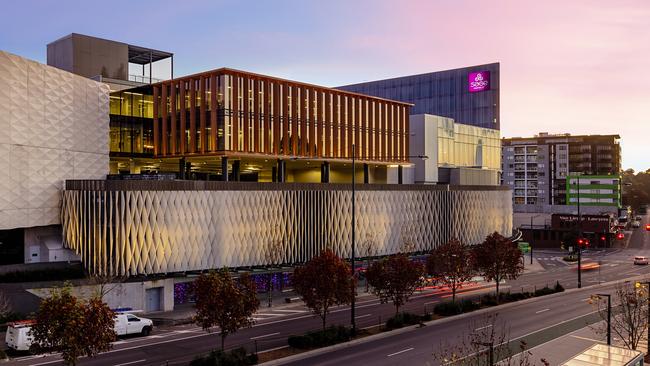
[{"x": 270, "y": 313}]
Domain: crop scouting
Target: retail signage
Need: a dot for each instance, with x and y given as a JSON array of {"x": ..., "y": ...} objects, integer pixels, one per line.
[{"x": 478, "y": 81}]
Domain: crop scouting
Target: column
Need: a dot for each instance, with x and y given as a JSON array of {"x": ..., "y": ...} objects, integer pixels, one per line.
[
  {"x": 224, "y": 169},
  {"x": 366, "y": 173},
  {"x": 181, "y": 168},
  {"x": 400, "y": 174},
  {"x": 281, "y": 171},
  {"x": 325, "y": 172},
  {"x": 236, "y": 170}
]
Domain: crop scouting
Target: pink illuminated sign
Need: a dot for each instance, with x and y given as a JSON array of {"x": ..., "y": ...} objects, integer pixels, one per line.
[{"x": 478, "y": 81}]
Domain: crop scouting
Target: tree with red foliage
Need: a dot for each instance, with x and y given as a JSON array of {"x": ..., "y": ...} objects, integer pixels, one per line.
[
  {"x": 326, "y": 280},
  {"x": 225, "y": 302},
  {"x": 451, "y": 265},
  {"x": 497, "y": 258},
  {"x": 72, "y": 326},
  {"x": 395, "y": 279}
]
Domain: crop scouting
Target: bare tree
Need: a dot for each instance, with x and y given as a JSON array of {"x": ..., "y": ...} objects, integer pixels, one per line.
[
  {"x": 630, "y": 324},
  {"x": 485, "y": 342},
  {"x": 5, "y": 305},
  {"x": 107, "y": 283},
  {"x": 369, "y": 249},
  {"x": 407, "y": 239},
  {"x": 274, "y": 256}
]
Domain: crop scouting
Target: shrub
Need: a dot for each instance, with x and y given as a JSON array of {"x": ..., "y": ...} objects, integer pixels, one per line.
[
  {"x": 403, "y": 319},
  {"x": 454, "y": 308},
  {"x": 558, "y": 287},
  {"x": 300, "y": 341},
  {"x": 236, "y": 357},
  {"x": 544, "y": 291},
  {"x": 3, "y": 355},
  {"x": 321, "y": 338}
]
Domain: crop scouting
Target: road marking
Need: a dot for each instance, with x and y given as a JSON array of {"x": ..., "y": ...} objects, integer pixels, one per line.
[
  {"x": 264, "y": 336},
  {"x": 485, "y": 327},
  {"x": 269, "y": 314},
  {"x": 362, "y": 316},
  {"x": 402, "y": 351},
  {"x": 430, "y": 302},
  {"x": 291, "y": 311},
  {"x": 587, "y": 339},
  {"x": 542, "y": 311},
  {"x": 46, "y": 363},
  {"x": 587, "y": 299},
  {"x": 130, "y": 363}
]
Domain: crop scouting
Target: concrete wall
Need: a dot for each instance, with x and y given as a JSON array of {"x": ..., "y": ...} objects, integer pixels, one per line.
[
  {"x": 89, "y": 56},
  {"x": 123, "y": 295},
  {"x": 424, "y": 142},
  {"x": 44, "y": 244},
  {"x": 54, "y": 127}
]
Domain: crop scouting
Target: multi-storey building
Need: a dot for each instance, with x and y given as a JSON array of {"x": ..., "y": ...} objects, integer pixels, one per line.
[
  {"x": 77, "y": 158},
  {"x": 537, "y": 168},
  {"x": 454, "y": 118}
]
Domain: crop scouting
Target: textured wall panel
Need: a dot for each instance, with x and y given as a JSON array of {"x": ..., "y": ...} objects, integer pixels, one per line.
[
  {"x": 54, "y": 126},
  {"x": 159, "y": 231}
]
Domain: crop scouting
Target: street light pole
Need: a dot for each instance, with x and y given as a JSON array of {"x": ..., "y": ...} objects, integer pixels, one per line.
[
  {"x": 352, "y": 259},
  {"x": 609, "y": 317},
  {"x": 579, "y": 238}
]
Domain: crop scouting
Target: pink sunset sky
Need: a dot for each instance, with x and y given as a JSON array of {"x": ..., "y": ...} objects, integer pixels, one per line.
[{"x": 566, "y": 66}]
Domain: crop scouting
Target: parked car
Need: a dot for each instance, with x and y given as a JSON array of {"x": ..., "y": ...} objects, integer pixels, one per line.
[
  {"x": 638, "y": 218},
  {"x": 19, "y": 336},
  {"x": 641, "y": 260}
]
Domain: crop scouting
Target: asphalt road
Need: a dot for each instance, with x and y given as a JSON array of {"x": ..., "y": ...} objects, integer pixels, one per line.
[{"x": 178, "y": 345}]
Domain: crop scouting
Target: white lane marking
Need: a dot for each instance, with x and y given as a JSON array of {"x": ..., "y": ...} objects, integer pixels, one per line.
[
  {"x": 587, "y": 299},
  {"x": 587, "y": 339},
  {"x": 265, "y": 335},
  {"x": 130, "y": 363},
  {"x": 542, "y": 311},
  {"x": 430, "y": 302},
  {"x": 402, "y": 351},
  {"x": 269, "y": 314},
  {"x": 362, "y": 316},
  {"x": 290, "y": 311},
  {"x": 485, "y": 327},
  {"x": 45, "y": 363}
]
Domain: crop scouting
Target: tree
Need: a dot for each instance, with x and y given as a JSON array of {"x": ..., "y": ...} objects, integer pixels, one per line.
[
  {"x": 630, "y": 325},
  {"x": 395, "y": 279},
  {"x": 72, "y": 326},
  {"x": 369, "y": 248},
  {"x": 224, "y": 302},
  {"x": 486, "y": 338},
  {"x": 5, "y": 305},
  {"x": 323, "y": 282},
  {"x": 451, "y": 264},
  {"x": 497, "y": 259}
]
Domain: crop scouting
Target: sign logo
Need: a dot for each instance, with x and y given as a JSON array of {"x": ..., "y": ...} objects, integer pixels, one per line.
[{"x": 478, "y": 81}]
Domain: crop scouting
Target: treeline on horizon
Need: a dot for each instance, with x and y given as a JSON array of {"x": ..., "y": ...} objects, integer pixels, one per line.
[{"x": 636, "y": 188}]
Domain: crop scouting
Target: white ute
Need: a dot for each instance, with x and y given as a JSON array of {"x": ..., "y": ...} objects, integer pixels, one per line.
[{"x": 19, "y": 337}]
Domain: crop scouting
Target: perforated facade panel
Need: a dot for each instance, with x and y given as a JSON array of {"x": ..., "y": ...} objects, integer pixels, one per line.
[
  {"x": 174, "y": 228},
  {"x": 54, "y": 126}
]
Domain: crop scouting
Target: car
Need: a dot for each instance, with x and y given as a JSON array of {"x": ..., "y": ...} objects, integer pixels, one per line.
[
  {"x": 639, "y": 259},
  {"x": 638, "y": 218},
  {"x": 589, "y": 266},
  {"x": 636, "y": 224},
  {"x": 647, "y": 227}
]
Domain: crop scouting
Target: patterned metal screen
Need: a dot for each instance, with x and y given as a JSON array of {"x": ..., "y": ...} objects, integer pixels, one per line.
[{"x": 177, "y": 229}]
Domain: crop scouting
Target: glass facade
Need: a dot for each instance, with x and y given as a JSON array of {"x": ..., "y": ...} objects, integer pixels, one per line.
[
  {"x": 229, "y": 110},
  {"x": 131, "y": 122},
  {"x": 468, "y": 146},
  {"x": 443, "y": 93}
]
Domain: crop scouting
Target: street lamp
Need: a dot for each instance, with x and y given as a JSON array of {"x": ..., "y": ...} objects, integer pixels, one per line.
[
  {"x": 579, "y": 241},
  {"x": 609, "y": 316},
  {"x": 353, "y": 246}
]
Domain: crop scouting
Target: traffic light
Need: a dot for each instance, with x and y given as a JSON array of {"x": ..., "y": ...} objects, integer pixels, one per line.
[
  {"x": 583, "y": 242},
  {"x": 603, "y": 238}
]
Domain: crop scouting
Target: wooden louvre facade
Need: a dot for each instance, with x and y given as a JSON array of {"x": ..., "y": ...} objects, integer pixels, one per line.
[{"x": 231, "y": 112}]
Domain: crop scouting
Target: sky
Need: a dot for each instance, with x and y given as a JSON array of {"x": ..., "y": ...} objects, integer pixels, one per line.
[{"x": 579, "y": 67}]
